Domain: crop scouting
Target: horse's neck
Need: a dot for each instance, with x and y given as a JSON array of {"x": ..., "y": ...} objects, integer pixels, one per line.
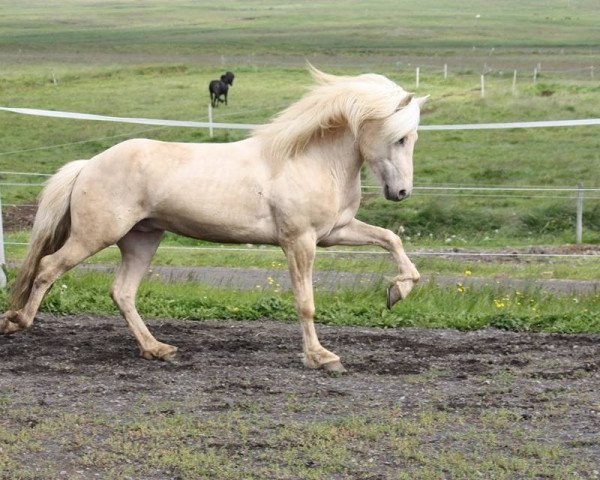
[{"x": 338, "y": 152}]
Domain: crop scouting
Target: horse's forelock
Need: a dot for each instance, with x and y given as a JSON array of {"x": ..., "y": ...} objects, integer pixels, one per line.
[{"x": 403, "y": 121}]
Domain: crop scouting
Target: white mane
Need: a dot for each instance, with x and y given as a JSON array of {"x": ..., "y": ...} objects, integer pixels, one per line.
[{"x": 334, "y": 102}]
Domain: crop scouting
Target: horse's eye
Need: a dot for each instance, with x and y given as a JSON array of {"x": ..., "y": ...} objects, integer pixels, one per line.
[{"x": 401, "y": 142}]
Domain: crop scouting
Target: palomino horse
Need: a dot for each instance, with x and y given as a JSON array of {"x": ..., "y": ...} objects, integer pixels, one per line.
[{"x": 295, "y": 183}]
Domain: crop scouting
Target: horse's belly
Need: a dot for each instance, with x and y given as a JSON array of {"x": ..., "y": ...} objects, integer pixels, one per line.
[{"x": 224, "y": 228}]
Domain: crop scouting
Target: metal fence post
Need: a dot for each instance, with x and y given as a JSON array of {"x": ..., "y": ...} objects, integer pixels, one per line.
[
  {"x": 210, "y": 127},
  {"x": 579, "y": 220}
]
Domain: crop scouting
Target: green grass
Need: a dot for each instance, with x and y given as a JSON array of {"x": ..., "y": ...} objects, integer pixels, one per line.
[
  {"x": 269, "y": 27},
  {"x": 513, "y": 158},
  {"x": 428, "y": 306}
]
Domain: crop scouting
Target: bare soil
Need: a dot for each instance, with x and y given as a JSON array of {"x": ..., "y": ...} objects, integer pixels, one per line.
[{"x": 90, "y": 365}]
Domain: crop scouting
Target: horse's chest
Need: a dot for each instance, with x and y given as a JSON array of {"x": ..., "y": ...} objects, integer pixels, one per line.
[{"x": 345, "y": 216}]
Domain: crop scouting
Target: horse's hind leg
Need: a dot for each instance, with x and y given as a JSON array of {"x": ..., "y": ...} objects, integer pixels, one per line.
[
  {"x": 137, "y": 249},
  {"x": 51, "y": 267}
]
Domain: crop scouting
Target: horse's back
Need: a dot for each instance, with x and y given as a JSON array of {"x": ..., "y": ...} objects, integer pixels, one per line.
[
  {"x": 216, "y": 192},
  {"x": 213, "y": 86}
]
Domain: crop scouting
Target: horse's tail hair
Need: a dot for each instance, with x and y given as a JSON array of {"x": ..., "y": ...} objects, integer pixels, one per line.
[{"x": 51, "y": 228}]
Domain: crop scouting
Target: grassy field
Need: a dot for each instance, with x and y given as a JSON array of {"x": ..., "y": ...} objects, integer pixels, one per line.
[
  {"x": 120, "y": 59},
  {"x": 248, "y": 27},
  {"x": 124, "y": 59},
  {"x": 150, "y": 60},
  {"x": 541, "y": 157},
  {"x": 73, "y": 400}
]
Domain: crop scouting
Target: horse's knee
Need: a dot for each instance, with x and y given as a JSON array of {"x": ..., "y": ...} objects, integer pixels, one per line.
[{"x": 306, "y": 312}]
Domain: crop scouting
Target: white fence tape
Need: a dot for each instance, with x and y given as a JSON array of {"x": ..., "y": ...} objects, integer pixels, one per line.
[
  {"x": 142, "y": 121},
  {"x": 243, "y": 126}
]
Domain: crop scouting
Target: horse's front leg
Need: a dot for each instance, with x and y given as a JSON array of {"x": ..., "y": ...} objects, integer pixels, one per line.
[
  {"x": 360, "y": 233},
  {"x": 300, "y": 253}
]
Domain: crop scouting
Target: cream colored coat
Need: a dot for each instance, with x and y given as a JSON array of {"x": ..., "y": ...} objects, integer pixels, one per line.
[{"x": 294, "y": 183}]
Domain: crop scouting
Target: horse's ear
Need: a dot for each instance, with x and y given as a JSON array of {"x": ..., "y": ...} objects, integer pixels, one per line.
[
  {"x": 405, "y": 101},
  {"x": 319, "y": 76},
  {"x": 421, "y": 100}
]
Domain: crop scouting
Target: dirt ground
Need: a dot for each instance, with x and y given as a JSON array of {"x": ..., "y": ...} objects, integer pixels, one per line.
[{"x": 90, "y": 366}]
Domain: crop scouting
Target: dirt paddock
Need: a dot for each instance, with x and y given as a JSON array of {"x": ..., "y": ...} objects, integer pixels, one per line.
[{"x": 84, "y": 365}]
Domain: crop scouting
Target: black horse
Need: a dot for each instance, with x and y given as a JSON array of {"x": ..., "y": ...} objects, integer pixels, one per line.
[{"x": 219, "y": 88}]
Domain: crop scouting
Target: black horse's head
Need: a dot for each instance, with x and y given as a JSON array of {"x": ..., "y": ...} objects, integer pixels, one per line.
[{"x": 228, "y": 77}]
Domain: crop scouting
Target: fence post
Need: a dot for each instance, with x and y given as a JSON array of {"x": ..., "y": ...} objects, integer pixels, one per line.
[
  {"x": 210, "y": 127},
  {"x": 417, "y": 77},
  {"x": 535, "y": 73},
  {"x": 446, "y": 71},
  {"x": 483, "y": 86},
  {"x": 2, "y": 261},
  {"x": 514, "y": 84},
  {"x": 579, "y": 220}
]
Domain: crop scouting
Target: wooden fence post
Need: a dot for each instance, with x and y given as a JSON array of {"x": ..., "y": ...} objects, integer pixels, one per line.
[
  {"x": 210, "y": 127},
  {"x": 514, "y": 84}
]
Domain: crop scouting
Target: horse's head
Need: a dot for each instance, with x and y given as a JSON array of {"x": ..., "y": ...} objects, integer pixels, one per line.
[
  {"x": 387, "y": 146},
  {"x": 379, "y": 115},
  {"x": 229, "y": 76}
]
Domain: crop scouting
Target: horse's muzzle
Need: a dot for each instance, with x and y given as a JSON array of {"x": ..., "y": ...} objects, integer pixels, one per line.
[{"x": 393, "y": 195}]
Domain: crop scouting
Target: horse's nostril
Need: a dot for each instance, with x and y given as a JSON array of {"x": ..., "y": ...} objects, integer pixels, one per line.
[{"x": 402, "y": 193}]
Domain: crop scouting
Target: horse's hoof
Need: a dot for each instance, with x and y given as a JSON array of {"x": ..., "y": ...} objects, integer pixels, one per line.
[
  {"x": 7, "y": 327},
  {"x": 334, "y": 367},
  {"x": 393, "y": 296},
  {"x": 11, "y": 323},
  {"x": 161, "y": 352},
  {"x": 399, "y": 290}
]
